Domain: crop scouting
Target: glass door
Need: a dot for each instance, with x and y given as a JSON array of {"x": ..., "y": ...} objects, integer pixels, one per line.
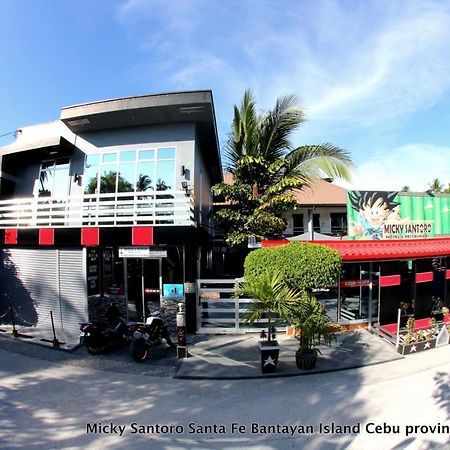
[
  {"x": 133, "y": 277},
  {"x": 142, "y": 287}
]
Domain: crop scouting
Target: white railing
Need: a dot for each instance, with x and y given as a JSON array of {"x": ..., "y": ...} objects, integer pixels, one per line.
[
  {"x": 219, "y": 312},
  {"x": 162, "y": 208}
]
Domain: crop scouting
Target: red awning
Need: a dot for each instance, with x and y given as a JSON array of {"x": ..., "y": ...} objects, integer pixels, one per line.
[{"x": 366, "y": 250}]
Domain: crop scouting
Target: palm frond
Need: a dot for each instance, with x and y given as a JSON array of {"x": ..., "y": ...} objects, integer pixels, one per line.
[
  {"x": 277, "y": 126},
  {"x": 313, "y": 161}
]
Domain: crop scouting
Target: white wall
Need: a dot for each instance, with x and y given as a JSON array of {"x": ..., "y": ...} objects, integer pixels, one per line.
[{"x": 325, "y": 219}]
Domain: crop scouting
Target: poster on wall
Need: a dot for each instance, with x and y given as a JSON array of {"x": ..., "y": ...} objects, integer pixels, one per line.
[{"x": 397, "y": 215}]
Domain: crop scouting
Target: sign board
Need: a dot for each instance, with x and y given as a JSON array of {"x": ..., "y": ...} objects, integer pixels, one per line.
[
  {"x": 141, "y": 252},
  {"x": 174, "y": 291},
  {"x": 397, "y": 215}
]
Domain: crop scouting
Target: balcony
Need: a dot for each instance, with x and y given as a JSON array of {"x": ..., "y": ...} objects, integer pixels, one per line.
[{"x": 162, "y": 208}]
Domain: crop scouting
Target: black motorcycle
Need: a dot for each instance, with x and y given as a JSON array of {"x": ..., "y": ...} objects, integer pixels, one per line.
[
  {"x": 149, "y": 335},
  {"x": 101, "y": 336}
]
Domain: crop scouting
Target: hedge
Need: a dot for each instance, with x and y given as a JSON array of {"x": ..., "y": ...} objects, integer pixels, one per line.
[{"x": 303, "y": 266}]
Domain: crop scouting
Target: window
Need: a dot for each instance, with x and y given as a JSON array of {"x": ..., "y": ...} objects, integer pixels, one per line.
[
  {"x": 130, "y": 171},
  {"x": 316, "y": 223},
  {"x": 298, "y": 227},
  {"x": 54, "y": 177},
  {"x": 338, "y": 222}
]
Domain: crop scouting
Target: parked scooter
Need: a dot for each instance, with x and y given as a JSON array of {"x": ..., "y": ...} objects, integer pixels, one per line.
[
  {"x": 101, "y": 336},
  {"x": 149, "y": 335}
]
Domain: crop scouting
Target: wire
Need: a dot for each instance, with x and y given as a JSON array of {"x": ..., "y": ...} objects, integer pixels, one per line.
[{"x": 7, "y": 134}]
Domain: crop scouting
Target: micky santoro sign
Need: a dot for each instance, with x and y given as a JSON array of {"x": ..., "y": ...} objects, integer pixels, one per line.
[{"x": 397, "y": 215}]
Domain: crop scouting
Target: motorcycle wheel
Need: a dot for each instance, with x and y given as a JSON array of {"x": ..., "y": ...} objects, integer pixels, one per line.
[
  {"x": 139, "y": 350},
  {"x": 93, "y": 348}
]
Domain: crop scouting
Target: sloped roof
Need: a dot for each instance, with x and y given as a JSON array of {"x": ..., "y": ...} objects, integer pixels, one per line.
[
  {"x": 384, "y": 249},
  {"x": 319, "y": 193}
]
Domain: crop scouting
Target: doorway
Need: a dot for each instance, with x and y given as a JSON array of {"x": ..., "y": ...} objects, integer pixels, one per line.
[{"x": 143, "y": 287}]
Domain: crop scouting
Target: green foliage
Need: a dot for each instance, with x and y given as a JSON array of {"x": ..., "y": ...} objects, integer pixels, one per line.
[
  {"x": 108, "y": 184},
  {"x": 314, "y": 324},
  {"x": 274, "y": 299},
  {"x": 266, "y": 168},
  {"x": 304, "y": 266}
]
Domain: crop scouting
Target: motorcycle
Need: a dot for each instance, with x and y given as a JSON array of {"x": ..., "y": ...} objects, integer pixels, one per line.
[
  {"x": 99, "y": 337},
  {"x": 149, "y": 335}
]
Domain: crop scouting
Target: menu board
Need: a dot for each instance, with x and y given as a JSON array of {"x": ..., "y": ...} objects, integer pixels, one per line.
[{"x": 93, "y": 271}]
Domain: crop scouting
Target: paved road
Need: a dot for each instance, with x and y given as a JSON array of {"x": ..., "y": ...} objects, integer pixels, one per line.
[{"x": 46, "y": 404}]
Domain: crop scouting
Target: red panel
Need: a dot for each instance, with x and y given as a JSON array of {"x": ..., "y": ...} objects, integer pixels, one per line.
[
  {"x": 390, "y": 280},
  {"x": 273, "y": 243},
  {"x": 90, "y": 236},
  {"x": 424, "y": 277},
  {"x": 46, "y": 236},
  {"x": 384, "y": 249},
  {"x": 447, "y": 274},
  {"x": 11, "y": 235},
  {"x": 142, "y": 236}
]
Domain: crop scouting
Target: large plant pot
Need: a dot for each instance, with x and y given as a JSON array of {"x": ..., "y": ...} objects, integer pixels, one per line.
[
  {"x": 305, "y": 361},
  {"x": 269, "y": 352},
  {"x": 408, "y": 349}
]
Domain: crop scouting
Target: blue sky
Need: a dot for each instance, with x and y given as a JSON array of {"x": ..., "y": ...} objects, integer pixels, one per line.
[{"x": 372, "y": 76}]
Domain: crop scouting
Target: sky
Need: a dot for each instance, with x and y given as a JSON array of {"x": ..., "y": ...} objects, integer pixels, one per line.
[{"x": 372, "y": 76}]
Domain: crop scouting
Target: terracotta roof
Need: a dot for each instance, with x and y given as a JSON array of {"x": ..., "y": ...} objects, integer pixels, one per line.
[
  {"x": 384, "y": 249},
  {"x": 319, "y": 192}
]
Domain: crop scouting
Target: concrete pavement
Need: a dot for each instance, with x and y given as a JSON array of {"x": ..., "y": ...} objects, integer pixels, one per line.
[
  {"x": 45, "y": 405},
  {"x": 222, "y": 357},
  {"x": 237, "y": 357}
]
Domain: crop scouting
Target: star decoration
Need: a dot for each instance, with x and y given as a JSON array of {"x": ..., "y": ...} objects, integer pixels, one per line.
[
  {"x": 269, "y": 361},
  {"x": 427, "y": 345},
  {"x": 413, "y": 349}
]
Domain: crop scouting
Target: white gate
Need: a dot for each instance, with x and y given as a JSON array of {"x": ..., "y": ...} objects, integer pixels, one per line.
[{"x": 218, "y": 312}]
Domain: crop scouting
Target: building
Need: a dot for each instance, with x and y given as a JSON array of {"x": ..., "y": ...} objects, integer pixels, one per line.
[
  {"x": 321, "y": 209},
  {"x": 397, "y": 257},
  {"x": 110, "y": 203}
]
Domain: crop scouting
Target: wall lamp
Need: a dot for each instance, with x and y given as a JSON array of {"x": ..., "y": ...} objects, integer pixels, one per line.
[
  {"x": 77, "y": 177},
  {"x": 187, "y": 188}
]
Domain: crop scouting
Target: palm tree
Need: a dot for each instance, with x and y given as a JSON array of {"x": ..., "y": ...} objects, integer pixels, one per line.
[
  {"x": 273, "y": 299},
  {"x": 436, "y": 185},
  {"x": 266, "y": 167},
  {"x": 266, "y": 137}
]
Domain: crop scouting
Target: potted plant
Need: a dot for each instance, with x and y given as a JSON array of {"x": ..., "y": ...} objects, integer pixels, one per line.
[
  {"x": 315, "y": 327},
  {"x": 414, "y": 341},
  {"x": 274, "y": 301}
]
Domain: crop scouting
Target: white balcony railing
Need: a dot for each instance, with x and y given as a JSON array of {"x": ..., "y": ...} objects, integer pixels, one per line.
[{"x": 162, "y": 208}]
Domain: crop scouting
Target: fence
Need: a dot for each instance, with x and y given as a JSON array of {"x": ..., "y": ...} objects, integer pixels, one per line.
[
  {"x": 218, "y": 312},
  {"x": 137, "y": 208}
]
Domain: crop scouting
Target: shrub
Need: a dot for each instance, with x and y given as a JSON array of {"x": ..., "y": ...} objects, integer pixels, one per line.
[{"x": 303, "y": 266}]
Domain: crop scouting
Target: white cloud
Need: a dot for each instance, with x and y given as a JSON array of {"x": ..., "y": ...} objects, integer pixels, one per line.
[
  {"x": 415, "y": 165},
  {"x": 361, "y": 68}
]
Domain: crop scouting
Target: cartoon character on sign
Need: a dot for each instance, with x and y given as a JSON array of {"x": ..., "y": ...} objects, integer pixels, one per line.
[{"x": 374, "y": 208}]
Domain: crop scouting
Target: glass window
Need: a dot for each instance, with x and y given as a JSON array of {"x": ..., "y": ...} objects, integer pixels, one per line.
[
  {"x": 126, "y": 179},
  {"x": 147, "y": 154},
  {"x": 145, "y": 177},
  {"x": 297, "y": 220},
  {"x": 108, "y": 181},
  {"x": 129, "y": 155},
  {"x": 166, "y": 153},
  {"x": 45, "y": 183},
  {"x": 165, "y": 175},
  {"x": 90, "y": 179},
  {"x": 92, "y": 160},
  {"x": 130, "y": 170},
  {"x": 54, "y": 178},
  {"x": 109, "y": 157}
]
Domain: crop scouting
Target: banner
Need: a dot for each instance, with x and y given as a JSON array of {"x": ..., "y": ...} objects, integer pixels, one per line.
[{"x": 397, "y": 215}]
